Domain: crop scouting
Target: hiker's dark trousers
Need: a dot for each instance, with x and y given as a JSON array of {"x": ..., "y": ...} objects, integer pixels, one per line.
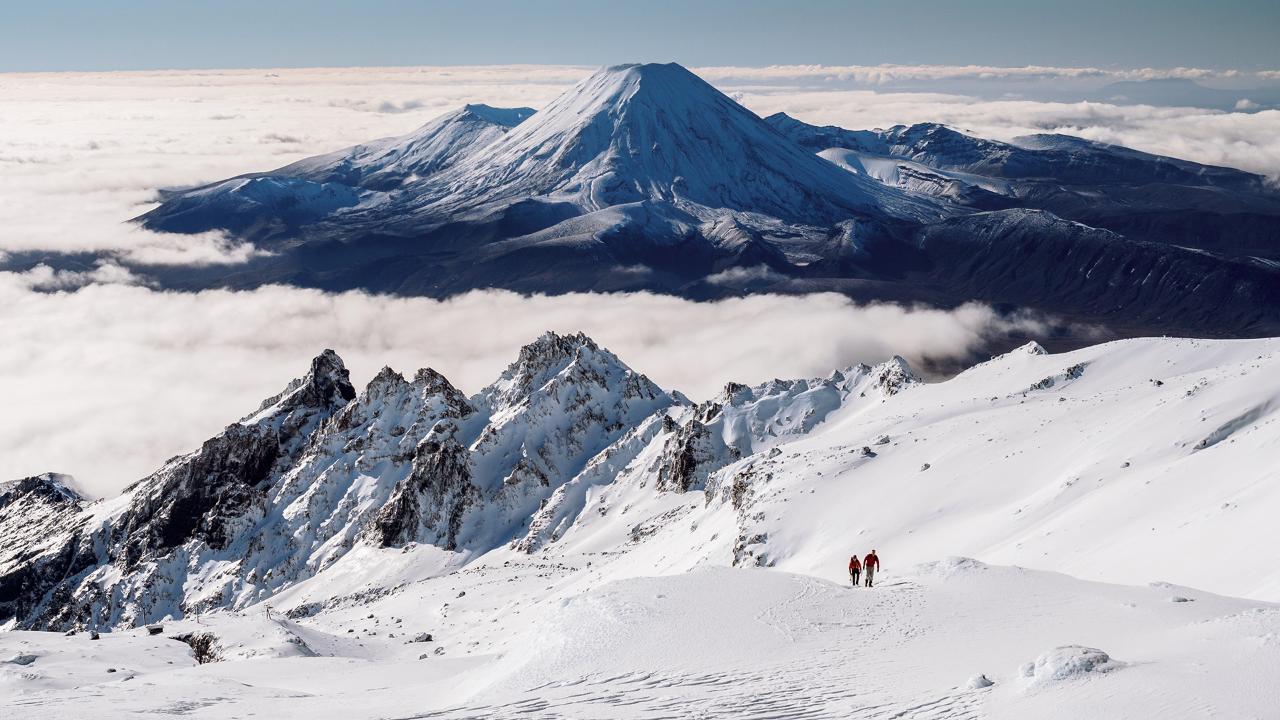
[{"x": 854, "y": 574}]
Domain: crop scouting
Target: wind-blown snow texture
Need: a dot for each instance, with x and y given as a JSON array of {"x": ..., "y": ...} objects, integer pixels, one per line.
[
  {"x": 500, "y": 549},
  {"x": 644, "y": 177}
]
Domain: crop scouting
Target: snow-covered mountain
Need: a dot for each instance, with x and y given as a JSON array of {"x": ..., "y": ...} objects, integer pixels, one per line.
[
  {"x": 658, "y": 133},
  {"x": 644, "y": 177},
  {"x": 285, "y": 492},
  {"x": 1138, "y": 195},
  {"x": 572, "y": 534},
  {"x": 1030, "y": 458}
]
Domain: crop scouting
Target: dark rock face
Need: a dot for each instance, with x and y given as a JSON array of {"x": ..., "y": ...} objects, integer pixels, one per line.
[
  {"x": 1034, "y": 258},
  {"x": 39, "y": 519},
  {"x": 691, "y": 453},
  {"x": 203, "y": 499},
  {"x": 204, "y": 646},
  {"x": 200, "y": 497},
  {"x": 429, "y": 505}
]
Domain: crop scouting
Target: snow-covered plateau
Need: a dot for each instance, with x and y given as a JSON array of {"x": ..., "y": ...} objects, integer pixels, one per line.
[{"x": 1078, "y": 535}]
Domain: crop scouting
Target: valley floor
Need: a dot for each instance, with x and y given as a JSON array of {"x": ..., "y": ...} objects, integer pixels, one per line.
[{"x": 513, "y": 637}]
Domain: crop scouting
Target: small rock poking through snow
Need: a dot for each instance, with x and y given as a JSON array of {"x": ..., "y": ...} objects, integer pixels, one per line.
[
  {"x": 977, "y": 682},
  {"x": 1066, "y": 663}
]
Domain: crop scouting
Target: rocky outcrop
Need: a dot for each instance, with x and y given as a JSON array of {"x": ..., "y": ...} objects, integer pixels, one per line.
[
  {"x": 690, "y": 453},
  {"x": 428, "y": 505},
  {"x": 39, "y": 518}
]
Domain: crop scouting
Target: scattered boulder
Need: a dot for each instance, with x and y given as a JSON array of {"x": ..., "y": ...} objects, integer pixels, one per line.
[
  {"x": 925, "y": 466},
  {"x": 1066, "y": 663},
  {"x": 24, "y": 659},
  {"x": 422, "y": 637},
  {"x": 204, "y": 646}
]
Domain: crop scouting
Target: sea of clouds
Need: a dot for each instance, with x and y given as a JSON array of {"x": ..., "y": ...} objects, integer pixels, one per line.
[{"x": 105, "y": 376}]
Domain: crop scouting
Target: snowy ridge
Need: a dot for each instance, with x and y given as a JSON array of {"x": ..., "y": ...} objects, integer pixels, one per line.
[
  {"x": 389, "y": 163},
  {"x": 319, "y": 469},
  {"x": 1136, "y": 194},
  {"x": 569, "y": 437},
  {"x": 573, "y": 532}
]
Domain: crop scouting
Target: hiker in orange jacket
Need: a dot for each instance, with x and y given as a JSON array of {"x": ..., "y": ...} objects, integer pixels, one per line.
[
  {"x": 870, "y": 563},
  {"x": 855, "y": 568}
]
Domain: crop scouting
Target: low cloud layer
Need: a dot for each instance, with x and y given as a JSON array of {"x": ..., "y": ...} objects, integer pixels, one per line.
[
  {"x": 109, "y": 380},
  {"x": 891, "y": 73}
]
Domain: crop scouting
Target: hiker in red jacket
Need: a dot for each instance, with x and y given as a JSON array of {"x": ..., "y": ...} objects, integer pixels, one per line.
[
  {"x": 870, "y": 563},
  {"x": 855, "y": 568}
]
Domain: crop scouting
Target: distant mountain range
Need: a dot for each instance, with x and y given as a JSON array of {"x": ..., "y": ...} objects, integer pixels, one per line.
[{"x": 644, "y": 177}]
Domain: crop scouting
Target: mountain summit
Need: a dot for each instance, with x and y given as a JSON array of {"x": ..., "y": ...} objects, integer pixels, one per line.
[{"x": 655, "y": 132}]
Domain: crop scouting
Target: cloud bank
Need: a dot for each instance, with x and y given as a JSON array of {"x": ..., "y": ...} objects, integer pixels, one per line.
[
  {"x": 109, "y": 380},
  {"x": 890, "y": 73}
]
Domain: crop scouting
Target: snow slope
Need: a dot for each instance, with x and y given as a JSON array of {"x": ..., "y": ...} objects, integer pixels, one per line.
[
  {"x": 953, "y": 639},
  {"x": 389, "y": 163},
  {"x": 1134, "y": 461}
]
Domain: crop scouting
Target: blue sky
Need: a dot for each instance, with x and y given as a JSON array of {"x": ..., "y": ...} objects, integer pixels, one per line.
[{"x": 153, "y": 34}]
